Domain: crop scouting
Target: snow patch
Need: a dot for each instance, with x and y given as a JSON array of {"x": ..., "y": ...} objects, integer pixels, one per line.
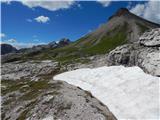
[
  {"x": 48, "y": 118},
  {"x": 128, "y": 92}
]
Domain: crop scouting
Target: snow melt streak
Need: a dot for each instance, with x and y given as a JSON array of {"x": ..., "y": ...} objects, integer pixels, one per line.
[{"x": 128, "y": 92}]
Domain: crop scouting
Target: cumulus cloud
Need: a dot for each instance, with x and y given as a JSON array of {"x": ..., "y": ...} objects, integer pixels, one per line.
[
  {"x": 2, "y": 35},
  {"x": 42, "y": 19},
  {"x": 49, "y": 5},
  {"x": 11, "y": 40},
  {"x": 26, "y": 45},
  {"x": 149, "y": 10},
  {"x": 105, "y": 3}
]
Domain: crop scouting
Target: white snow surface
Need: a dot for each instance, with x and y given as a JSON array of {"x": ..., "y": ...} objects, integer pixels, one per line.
[
  {"x": 128, "y": 92},
  {"x": 48, "y": 118}
]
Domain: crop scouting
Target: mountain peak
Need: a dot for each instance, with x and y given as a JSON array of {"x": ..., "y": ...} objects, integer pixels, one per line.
[{"x": 120, "y": 12}]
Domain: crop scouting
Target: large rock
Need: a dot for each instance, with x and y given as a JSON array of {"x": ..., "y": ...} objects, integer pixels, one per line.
[{"x": 144, "y": 53}]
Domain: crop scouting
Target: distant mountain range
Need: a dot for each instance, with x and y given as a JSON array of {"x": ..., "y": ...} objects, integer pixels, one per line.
[
  {"x": 121, "y": 28},
  {"x": 6, "y": 48}
]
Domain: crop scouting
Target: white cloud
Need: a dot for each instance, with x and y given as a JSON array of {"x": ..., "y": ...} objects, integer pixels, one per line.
[
  {"x": 42, "y": 19},
  {"x": 49, "y": 5},
  {"x": 105, "y": 3},
  {"x": 26, "y": 45},
  {"x": 11, "y": 40},
  {"x": 139, "y": 9},
  {"x": 149, "y": 10},
  {"x": 2, "y": 35},
  {"x": 6, "y": 1}
]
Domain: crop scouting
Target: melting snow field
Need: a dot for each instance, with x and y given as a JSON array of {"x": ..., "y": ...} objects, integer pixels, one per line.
[{"x": 128, "y": 92}]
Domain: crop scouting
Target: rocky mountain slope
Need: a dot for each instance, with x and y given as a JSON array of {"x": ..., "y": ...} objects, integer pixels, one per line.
[{"x": 122, "y": 27}]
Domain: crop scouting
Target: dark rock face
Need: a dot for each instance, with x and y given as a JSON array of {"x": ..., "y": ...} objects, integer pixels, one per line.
[
  {"x": 120, "y": 12},
  {"x": 144, "y": 53},
  {"x": 63, "y": 42},
  {"x": 6, "y": 48}
]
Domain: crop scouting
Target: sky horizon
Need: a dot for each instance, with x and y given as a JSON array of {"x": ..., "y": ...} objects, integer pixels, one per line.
[{"x": 28, "y": 23}]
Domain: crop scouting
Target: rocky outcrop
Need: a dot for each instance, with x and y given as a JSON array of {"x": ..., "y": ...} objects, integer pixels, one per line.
[
  {"x": 6, "y": 48},
  {"x": 151, "y": 38},
  {"x": 144, "y": 53}
]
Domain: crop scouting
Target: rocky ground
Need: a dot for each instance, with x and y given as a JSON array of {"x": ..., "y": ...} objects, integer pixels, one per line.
[{"x": 28, "y": 92}]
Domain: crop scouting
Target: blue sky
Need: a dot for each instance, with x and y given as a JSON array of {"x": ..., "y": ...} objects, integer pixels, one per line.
[{"x": 24, "y": 24}]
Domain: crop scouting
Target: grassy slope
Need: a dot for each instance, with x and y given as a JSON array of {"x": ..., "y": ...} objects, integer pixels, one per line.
[{"x": 108, "y": 42}]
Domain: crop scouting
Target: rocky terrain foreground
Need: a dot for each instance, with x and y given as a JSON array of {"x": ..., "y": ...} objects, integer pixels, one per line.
[{"x": 29, "y": 93}]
